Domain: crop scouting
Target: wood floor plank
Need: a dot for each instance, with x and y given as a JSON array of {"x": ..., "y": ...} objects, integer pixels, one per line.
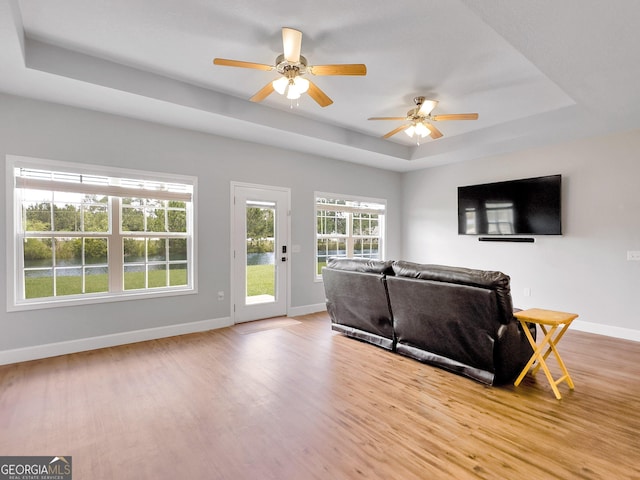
[{"x": 303, "y": 402}]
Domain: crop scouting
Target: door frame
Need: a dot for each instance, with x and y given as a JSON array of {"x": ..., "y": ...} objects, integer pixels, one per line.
[{"x": 232, "y": 238}]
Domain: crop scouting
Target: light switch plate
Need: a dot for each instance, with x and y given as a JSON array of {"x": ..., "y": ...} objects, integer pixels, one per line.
[{"x": 633, "y": 255}]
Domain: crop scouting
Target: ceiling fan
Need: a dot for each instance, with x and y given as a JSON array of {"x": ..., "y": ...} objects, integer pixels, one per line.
[
  {"x": 420, "y": 119},
  {"x": 292, "y": 66}
]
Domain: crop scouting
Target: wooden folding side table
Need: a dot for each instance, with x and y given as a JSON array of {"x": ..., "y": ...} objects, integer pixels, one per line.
[{"x": 554, "y": 320}]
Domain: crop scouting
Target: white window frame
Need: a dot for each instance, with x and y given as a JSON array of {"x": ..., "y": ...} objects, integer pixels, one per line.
[
  {"x": 358, "y": 205},
  {"x": 14, "y": 235}
]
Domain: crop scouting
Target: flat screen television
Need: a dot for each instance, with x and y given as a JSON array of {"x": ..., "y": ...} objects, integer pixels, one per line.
[{"x": 529, "y": 206}]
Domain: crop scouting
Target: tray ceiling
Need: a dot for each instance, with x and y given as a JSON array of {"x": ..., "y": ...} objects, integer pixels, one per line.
[{"x": 536, "y": 72}]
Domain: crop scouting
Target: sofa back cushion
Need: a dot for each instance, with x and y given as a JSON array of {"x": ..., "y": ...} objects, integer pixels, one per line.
[
  {"x": 363, "y": 265},
  {"x": 497, "y": 282},
  {"x": 358, "y": 300},
  {"x": 452, "y": 321}
]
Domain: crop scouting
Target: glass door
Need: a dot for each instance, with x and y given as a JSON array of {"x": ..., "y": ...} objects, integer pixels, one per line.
[{"x": 260, "y": 252}]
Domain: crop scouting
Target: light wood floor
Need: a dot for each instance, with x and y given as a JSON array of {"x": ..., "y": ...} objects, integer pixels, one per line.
[{"x": 300, "y": 402}]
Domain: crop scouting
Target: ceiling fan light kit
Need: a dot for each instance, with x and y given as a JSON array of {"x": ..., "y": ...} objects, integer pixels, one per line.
[
  {"x": 291, "y": 87},
  {"x": 418, "y": 129}
]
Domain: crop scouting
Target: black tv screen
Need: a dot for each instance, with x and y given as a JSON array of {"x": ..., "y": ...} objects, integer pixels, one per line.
[{"x": 529, "y": 206}]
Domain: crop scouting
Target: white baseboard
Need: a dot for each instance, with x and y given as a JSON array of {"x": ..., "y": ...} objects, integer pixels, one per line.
[
  {"x": 123, "y": 338},
  {"x": 306, "y": 310},
  {"x": 608, "y": 330},
  {"x": 92, "y": 343}
]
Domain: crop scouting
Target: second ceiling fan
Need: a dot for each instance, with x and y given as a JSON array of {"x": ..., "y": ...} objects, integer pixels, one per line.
[
  {"x": 292, "y": 66},
  {"x": 420, "y": 120}
]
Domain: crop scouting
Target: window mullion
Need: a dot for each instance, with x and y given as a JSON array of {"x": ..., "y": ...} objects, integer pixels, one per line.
[
  {"x": 19, "y": 279},
  {"x": 115, "y": 248},
  {"x": 350, "y": 240}
]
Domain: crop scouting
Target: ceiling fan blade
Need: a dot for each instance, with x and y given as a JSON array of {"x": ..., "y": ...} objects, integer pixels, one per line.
[
  {"x": 263, "y": 93},
  {"x": 456, "y": 116},
  {"x": 237, "y": 63},
  {"x": 345, "y": 69},
  {"x": 291, "y": 44},
  {"x": 387, "y": 118},
  {"x": 427, "y": 107},
  {"x": 396, "y": 130},
  {"x": 435, "y": 133},
  {"x": 318, "y": 95}
]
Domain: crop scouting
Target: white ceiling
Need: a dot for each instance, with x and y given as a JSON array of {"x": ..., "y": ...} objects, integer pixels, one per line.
[{"x": 537, "y": 71}]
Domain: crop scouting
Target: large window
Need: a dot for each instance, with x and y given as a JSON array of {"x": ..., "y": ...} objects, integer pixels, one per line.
[
  {"x": 84, "y": 234},
  {"x": 348, "y": 227}
]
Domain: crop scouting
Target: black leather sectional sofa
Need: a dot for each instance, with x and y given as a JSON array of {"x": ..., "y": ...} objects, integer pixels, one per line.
[{"x": 456, "y": 318}]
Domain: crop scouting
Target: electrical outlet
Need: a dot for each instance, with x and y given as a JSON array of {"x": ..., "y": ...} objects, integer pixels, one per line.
[
  {"x": 633, "y": 255},
  {"x": 220, "y": 295},
  {"x": 527, "y": 292}
]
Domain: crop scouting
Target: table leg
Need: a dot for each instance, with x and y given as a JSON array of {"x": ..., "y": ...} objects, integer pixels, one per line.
[
  {"x": 537, "y": 350},
  {"x": 553, "y": 348},
  {"x": 542, "y": 363},
  {"x": 550, "y": 343}
]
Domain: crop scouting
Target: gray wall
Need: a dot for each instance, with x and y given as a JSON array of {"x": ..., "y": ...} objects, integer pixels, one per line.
[
  {"x": 43, "y": 130},
  {"x": 583, "y": 271}
]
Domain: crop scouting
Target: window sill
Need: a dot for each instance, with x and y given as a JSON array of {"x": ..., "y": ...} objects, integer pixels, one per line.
[{"x": 73, "y": 301}]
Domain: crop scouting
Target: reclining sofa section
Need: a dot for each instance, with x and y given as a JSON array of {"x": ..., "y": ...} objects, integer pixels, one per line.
[{"x": 456, "y": 318}]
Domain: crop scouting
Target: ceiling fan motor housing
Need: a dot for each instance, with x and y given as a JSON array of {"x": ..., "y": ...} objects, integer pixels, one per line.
[{"x": 285, "y": 67}]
